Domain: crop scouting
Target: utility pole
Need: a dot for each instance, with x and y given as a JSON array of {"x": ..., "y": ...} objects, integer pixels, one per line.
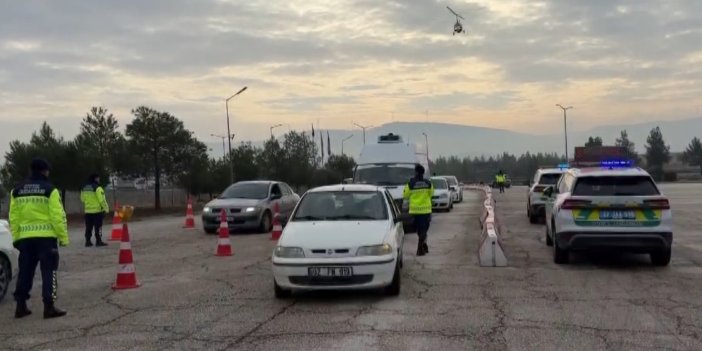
[
  {"x": 565, "y": 127},
  {"x": 226, "y": 103},
  {"x": 364, "y": 131},
  {"x": 343, "y": 141},
  {"x": 274, "y": 127},
  {"x": 224, "y": 151},
  {"x": 426, "y": 143}
]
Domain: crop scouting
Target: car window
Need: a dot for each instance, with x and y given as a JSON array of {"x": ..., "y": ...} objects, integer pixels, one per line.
[
  {"x": 391, "y": 203},
  {"x": 342, "y": 205},
  {"x": 275, "y": 190},
  {"x": 451, "y": 181},
  {"x": 439, "y": 183},
  {"x": 615, "y": 186},
  {"x": 245, "y": 191},
  {"x": 562, "y": 186},
  {"x": 549, "y": 178}
]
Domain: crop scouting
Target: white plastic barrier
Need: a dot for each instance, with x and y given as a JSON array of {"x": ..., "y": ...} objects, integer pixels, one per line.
[{"x": 490, "y": 252}]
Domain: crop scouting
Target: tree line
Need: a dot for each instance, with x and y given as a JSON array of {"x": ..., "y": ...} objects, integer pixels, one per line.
[
  {"x": 156, "y": 145},
  {"x": 523, "y": 167}
]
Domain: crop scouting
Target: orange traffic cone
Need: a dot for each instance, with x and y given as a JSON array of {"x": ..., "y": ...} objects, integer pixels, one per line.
[
  {"x": 277, "y": 228},
  {"x": 189, "y": 218},
  {"x": 224, "y": 245},
  {"x": 116, "y": 225},
  {"x": 126, "y": 274}
]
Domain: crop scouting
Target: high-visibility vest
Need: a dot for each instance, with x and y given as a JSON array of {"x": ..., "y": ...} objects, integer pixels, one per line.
[
  {"x": 93, "y": 197},
  {"x": 419, "y": 193},
  {"x": 500, "y": 178},
  {"x": 36, "y": 211}
]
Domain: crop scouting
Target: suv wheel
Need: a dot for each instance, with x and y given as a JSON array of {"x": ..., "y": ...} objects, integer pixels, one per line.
[
  {"x": 5, "y": 276},
  {"x": 560, "y": 256},
  {"x": 266, "y": 224},
  {"x": 549, "y": 241},
  {"x": 661, "y": 258}
]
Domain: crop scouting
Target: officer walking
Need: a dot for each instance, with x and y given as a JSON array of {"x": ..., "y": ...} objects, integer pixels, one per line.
[
  {"x": 38, "y": 224},
  {"x": 419, "y": 192},
  {"x": 500, "y": 179},
  {"x": 95, "y": 207}
]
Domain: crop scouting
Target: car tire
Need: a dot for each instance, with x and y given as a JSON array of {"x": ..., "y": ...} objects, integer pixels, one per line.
[
  {"x": 394, "y": 288},
  {"x": 266, "y": 224},
  {"x": 211, "y": 230},
  {"x": 5, "y": 276},
  {"x": 661, "y": 258},
  {"x": 533, "y": 219},
  {"x": 560, "y": 256},
  {"x": 549, "y": 241},
  {"x": 280, "y": 293}
]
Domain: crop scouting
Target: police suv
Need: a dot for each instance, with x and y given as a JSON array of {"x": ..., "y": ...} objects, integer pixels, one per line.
[
  {"x": 614, "y": 206},
  {"x": 536, "y": 200}
]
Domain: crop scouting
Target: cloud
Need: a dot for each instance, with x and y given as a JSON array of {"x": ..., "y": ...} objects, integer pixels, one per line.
[{"x": 457, "y": 100}]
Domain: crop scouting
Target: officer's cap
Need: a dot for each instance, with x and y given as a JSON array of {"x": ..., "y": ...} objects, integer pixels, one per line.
[{"x": 39, "y": 165}]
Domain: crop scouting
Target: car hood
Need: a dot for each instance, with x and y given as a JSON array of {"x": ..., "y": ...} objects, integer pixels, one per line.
[
  {"x": 334, "y": 234},
  {"x": 218, "y": 203},
  {"x": 440, "y": 191}
]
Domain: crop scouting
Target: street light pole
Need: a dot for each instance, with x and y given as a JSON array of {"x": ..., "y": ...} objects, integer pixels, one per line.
[
  {"x": 565, "y": 127},
  {"x": 364, "y": 131},
  {"x": 224, "y": 151},
  {"x": 343, "y": 141},
  {"x": 229, "y": 132},
  {"x": 426, "y": 142},
  {"x": 274, "y": 127}
]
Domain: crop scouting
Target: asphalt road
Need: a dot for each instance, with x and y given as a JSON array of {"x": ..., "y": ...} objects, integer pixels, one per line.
[{"x": 190, "y": 299}]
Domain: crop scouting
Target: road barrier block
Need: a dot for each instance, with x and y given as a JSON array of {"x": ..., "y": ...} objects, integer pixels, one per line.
[{"x": 490, "y": 251}]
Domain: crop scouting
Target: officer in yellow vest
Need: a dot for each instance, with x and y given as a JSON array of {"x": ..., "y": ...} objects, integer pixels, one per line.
[
  {"x": 419, "y": 192},
  {"x": 38, "y": 225},
  {"x": 500, "y": 179},
  {"x": 95, "y": 207}
]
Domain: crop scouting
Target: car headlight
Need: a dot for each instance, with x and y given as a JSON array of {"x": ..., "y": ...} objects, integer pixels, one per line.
[
  {"x": 250, "y": 209},
  {"x": 288, "y": 252},
  {"x": 207, "y": 209},
  {"x": 375, "y": 250},
  {"x": 443, "y": 196}
]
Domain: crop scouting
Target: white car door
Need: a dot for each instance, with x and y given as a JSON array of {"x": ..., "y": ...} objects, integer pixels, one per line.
[{"x": 398, "y": 229}]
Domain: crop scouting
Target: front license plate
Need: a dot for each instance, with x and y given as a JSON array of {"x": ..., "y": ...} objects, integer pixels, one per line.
[
  {"x": 330, "y": 271},
  {"x": 626, "y": 214}
]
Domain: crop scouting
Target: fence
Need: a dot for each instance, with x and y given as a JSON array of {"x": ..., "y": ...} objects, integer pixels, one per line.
[{"x": 139, "y": 198}]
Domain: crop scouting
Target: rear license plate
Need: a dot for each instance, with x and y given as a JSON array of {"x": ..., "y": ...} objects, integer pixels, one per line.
[
  {"x": 330, "y": 271},
  {"x": 626, "y": 214}
]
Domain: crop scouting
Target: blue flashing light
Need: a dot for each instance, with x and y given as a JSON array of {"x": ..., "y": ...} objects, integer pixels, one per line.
[
  {"x": 563, "y": 166},
  {"x": 617, "y": 163}
]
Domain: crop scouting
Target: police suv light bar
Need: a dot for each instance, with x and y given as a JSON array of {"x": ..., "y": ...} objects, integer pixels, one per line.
[{"x": 617, "y": 163}]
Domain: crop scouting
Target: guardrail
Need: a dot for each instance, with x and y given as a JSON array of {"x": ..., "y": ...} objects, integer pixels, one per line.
[{"x": 490, "y": 252}]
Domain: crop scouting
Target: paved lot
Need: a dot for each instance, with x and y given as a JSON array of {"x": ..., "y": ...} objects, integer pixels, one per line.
[{"x": 190, "y": 299}]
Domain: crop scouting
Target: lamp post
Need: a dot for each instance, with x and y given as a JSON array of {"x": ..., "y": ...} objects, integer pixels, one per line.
[
  {"x": 426, "y": 142},
  {"x": 565, "y": 127},
  {"x": 364, "y": 131},
  {"x": 224, "y": 151},
  {"x": 274, "y": 127},
  {"x": 343, "y": 141},
  {"x": 226, "y": 104}
]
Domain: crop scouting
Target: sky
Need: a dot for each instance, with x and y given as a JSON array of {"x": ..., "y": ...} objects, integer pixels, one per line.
[{"x": 335, "y": 62}]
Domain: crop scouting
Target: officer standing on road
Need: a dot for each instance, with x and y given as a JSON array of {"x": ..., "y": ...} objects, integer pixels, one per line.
[
  {"x": 95, "y": 207},
  {"x": 500, "y": 179},
  {"x": 38, "y": 224},
  {"x": 419, "y": 192}
]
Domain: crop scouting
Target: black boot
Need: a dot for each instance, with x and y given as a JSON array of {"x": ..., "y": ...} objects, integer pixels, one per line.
[
  {"x": 99, "y": 242},
  {"x": 425, "y": 247},
  {"x": 50, "y": 311},
  {"x": 420, "y": 249},
  {"x": 88, "y": 243},
  {"x": 22, "y": 310}
]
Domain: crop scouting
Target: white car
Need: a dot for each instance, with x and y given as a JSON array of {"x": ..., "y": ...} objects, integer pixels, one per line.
[
  {"x": 536, "y": 201},
  {"x": 608, "y": 208},
  {"x": 8, "y": 258},
  {"x": 456, "y": 190},
  {"x": 442, "y": 199},
  {"x": 340, "y": 237}
]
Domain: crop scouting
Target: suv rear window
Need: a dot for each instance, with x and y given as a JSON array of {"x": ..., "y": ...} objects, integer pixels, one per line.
[
  {"x": 549, "y": 178},
  {"x": 615, "y": 186}
]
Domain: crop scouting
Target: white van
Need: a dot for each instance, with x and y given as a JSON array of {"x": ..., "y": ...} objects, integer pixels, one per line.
[{"x": 390, "y": 163}]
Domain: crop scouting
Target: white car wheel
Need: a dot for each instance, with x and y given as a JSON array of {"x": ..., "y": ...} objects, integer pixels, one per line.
[{"x": 5, "y": 276}]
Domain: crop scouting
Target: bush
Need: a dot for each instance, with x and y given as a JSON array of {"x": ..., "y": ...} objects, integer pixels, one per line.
[{"x": 670, "y": 176}]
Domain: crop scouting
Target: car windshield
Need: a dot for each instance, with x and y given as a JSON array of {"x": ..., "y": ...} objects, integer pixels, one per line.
[
  {"x": 451, "y": 180},
  {"x": 246, "y": 191},
  {"x": 615, "y": 186},
  {"x": 439, "y": 183},
  {"x": 549, "y": 178},
  {"x": 385, "y": 174},
  {"x": 342, "y": 205}
]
